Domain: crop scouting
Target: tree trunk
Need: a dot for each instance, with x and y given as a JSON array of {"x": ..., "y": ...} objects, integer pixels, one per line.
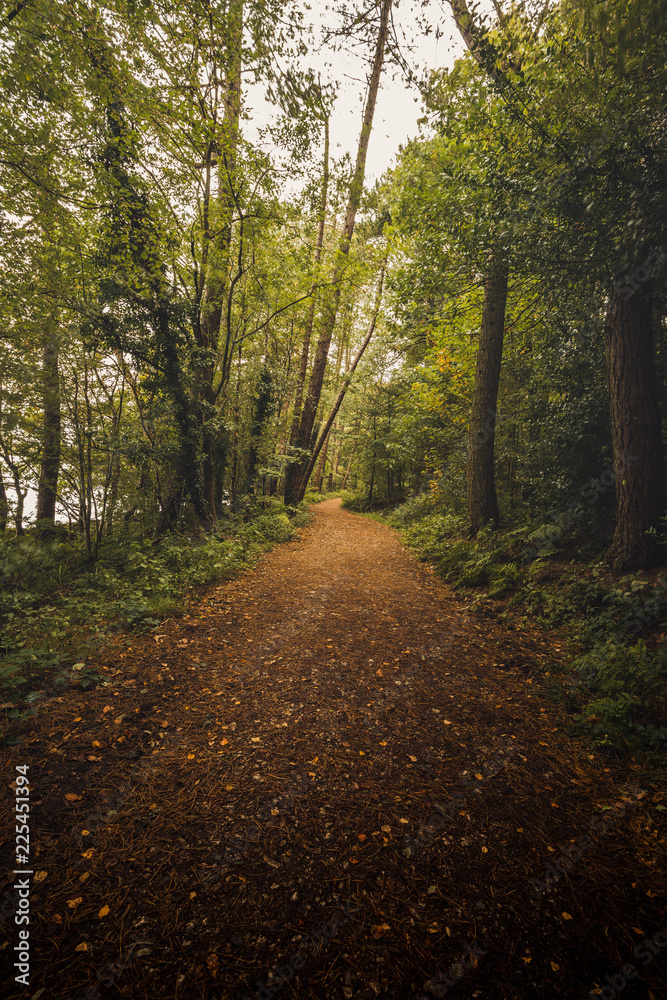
[
  {"x": 480, "y": 473},
  {"x": 346, "y": 383},
  {"x": 47, "y": 490},
  {"x": 636, "y": 431},
  {"x": 319, "y": 475},
  {"x": 4, "y": 504},
  {"x": 332, "y": 301},
  {"x": 295, "y": 471},
  {"x": 218, "y": 240},
  {"x": 347, "y": 472}
]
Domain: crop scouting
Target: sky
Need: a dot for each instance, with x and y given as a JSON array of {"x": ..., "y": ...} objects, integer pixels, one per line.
[{"x": 399, "y": 105}]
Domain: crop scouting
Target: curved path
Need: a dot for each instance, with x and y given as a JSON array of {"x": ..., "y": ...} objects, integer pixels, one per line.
[{"x": 331, "y": 780}]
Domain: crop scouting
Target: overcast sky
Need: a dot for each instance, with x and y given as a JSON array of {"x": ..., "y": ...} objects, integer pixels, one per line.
[{"x": 399, "y": 106}]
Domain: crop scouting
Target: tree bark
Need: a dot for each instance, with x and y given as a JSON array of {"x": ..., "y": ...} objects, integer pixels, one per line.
[
  {"x": 295, "y": 471},
  {"x": 636, "y": 431},
  {"x": 346, "y": 384},
  {"x": 47, "y": 490},
  {"x": 223, "y": 151},
  {"x": 332, "y": 301},
  {"x": 480, "y": 472}
]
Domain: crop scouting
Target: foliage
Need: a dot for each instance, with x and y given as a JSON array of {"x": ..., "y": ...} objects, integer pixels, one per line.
[
  {"x": 53, "y": 594},
  {"x": 629, "y": 685}
]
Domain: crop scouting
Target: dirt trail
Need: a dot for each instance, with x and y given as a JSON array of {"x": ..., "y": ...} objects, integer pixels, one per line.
[{"x": 331, "y": 780}]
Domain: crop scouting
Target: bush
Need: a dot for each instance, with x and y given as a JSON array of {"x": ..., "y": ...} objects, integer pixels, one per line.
[{"x": 630, "y": 685}]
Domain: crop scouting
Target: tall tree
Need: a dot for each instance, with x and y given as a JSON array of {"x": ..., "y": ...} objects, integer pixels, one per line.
[
  {"x": 294, "y": 488},
  {"x": 480, "y": 476}
]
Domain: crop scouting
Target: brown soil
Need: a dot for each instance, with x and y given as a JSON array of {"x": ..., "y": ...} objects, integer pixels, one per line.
[{"x": 255, "y": 799}]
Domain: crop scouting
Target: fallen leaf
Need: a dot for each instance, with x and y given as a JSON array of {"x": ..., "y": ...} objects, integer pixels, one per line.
[
  {"x": 527, "y": 959},
  {"x": 383, "y": 743},
  {"x": 191, "y": 756},
  {"x": 386, "y": 829},
  {"x": 107, "y": 708},
  {"x": 555, "y": 966},
  {"x": 379, "y": 930},
  {"x": 89, "y": 853},
  {"x": 566, "y": 916},
  {"x": 95, "y": 743},
  {"x": 71, "y": 797},
  {"x": 212, "y": 963},
  {"x": 223, "y": 743},
  {"x": 74, "y": 902},
  {"x": 82, "y": 947},
  {"x": 84, "y": 877},
  {"x": 485, "y": 850},
  {"x": 255, "y": 739},
  {"x": 40, "y": 876},
  {"x": 361, "y": 837},
  {"x": 411, "y": 757},
  {"x": 103, "y": 912}
]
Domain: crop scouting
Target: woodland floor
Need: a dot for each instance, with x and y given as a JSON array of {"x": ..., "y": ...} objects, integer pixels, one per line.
[{"x": 273, "y": 759}]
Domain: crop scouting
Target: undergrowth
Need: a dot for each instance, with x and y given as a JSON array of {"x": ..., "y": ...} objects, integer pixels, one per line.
[
  {"x": 56, "y": 607},
  {"x": 616, "y": 684}
]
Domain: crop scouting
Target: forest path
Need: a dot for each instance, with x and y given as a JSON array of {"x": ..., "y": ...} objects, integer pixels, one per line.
[{"x": 332, "y": 780}]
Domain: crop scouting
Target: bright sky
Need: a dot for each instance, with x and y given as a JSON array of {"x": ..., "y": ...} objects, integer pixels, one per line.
[{"x": 399, "y": 106}]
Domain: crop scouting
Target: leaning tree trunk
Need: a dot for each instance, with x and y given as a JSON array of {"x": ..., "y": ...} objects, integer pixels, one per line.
[
  {"x": 294, "y": 471},
  {"x": 47, "y": 490},
  {"x": 636, "y": 431},
  {"x": 332, "y": 301},
  {"x": 480, "y": 473},
  {"x": 346, "y": 383}
]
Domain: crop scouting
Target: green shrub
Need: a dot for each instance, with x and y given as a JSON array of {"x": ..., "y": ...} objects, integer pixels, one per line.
[{"x": 630, "y": 688}]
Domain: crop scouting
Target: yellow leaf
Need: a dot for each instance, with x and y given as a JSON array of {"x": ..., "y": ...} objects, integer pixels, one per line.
[
  {"x": 78, "y": 719},
  {"x": 361, "y": 837},
  {"x": 40, "y": 876},
  {"x": 223, "y": 743},
  {"x": 84, "y": 877},
  {"x": 479, "y": 777},
  {"x": 71, "y": 797},
  {"x": 255, "y": 739},
  {"x": 81, "y": 947},
  {"x": 103, "y": 912},
  {"x": 96, "y": 743},
  {"x": 89, "y": 853},
  {"x": 411, "y": 757},
  {"x": 485, "y": 850},
  {"x": 85, "y": 833},
  {"x": 229, "y": 788},
  {"x": 74, "y": 902},
  {"x": 527, "y": 959},
  {"x": 383, "y": 743},
  {"x": 555, "y": 966},
  {"x": 191, "y": 756},
  {"x": 566, "y": 916},
  {"x": 386, "y": 829}
]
